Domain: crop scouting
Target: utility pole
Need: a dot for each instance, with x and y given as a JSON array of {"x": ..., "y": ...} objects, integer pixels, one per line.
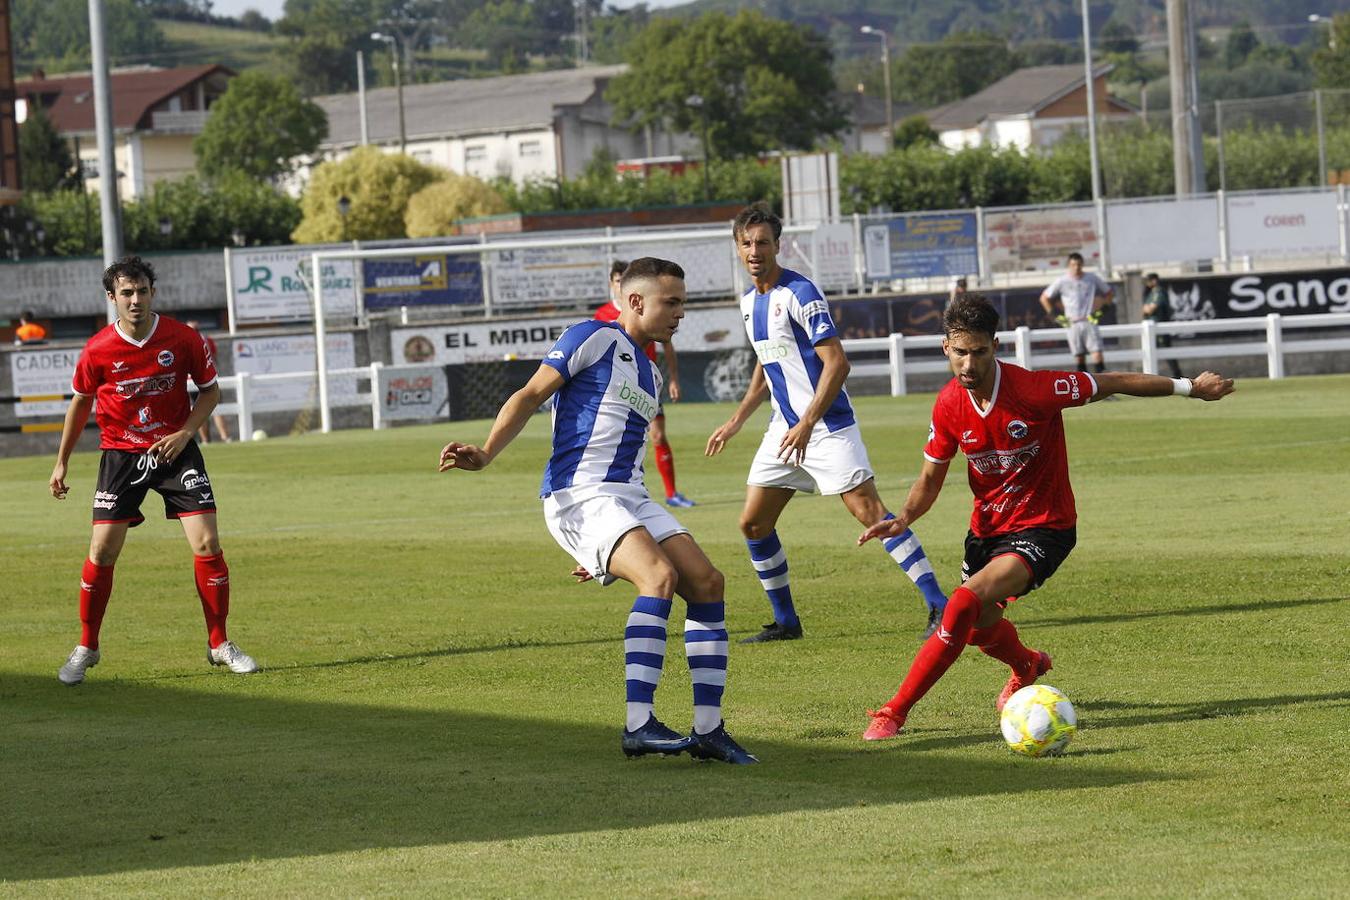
[
  {"x": 103, "y": 128},
  {"x": 886, "y": 75},
  {"x": 1188, "y": 158}
]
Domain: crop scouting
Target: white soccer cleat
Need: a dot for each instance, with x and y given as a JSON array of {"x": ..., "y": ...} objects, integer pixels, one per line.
[
  {"x": 228, "y": 654},
  {"x": 81, "y": 660}
]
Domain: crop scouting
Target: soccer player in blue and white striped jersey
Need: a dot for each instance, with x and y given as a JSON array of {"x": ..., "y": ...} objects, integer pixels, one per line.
[
  {"x": 598, "y": 510},
  {"x": 812, "y": 442}
]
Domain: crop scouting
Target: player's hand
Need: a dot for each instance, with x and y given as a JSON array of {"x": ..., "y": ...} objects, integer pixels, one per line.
[
  {"x": 57, "y": 483},
  {"x": 1062, "y": 320},
  {"x": 886, "y": 528},
  {"x": 1211, "y": 386},
  {"x": 1096, "y": 315},
  {"x": 717, "y": 441},
  {"x": 169, "y": 447},
  {"x": 792, "y": 449},
  {"x": 581, "y": 575},
  {"x": 673, "y": 388},
  {"x": 455, "y": 455}
]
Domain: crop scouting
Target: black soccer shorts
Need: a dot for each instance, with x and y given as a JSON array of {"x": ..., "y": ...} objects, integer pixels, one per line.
[
  {"x": 1042, "y": 549},
  {"x": 125, "y": 477}
]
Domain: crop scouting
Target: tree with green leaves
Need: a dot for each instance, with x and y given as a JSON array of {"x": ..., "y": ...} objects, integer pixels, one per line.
[
  {"x": 259, "y": 127},
  {"x": 55, "y": 33},
  {"x": 434, "y": 210},
  {"x": 377, "y": 186},
  {"x": 760, "y": 84},
  {"x": 1331, "y": 62},
  {"x": 959, "y": 65},
  {"x": 45, "y": 161}
]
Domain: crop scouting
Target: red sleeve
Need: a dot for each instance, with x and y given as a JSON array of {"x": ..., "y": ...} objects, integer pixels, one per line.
[
  {"x": 607, "y": 313},
  {"x": 202, "y": 363},
  {"x": 88, "y": 375},
  {"x": 1060, "y": 390},
  {"x": 941, "y": 446}
]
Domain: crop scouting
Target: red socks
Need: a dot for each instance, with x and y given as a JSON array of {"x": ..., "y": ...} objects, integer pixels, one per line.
[
  {"x": 95, "y": 588},
  {"x": 1000, "y": 641},
  {"x": 939, "y": 651},
  {"x": 665, "y": 464},
  {"x": 213, "y": 586}
]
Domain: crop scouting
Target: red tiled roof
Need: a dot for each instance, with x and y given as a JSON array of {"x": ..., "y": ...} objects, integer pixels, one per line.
[{"x": 69, "y": 100}]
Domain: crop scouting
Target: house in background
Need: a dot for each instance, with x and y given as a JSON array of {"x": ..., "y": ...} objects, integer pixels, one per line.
[
  {"x": 156, "y": 115},
  {"x": 1032, "y": 107},
  {"x": 543, "y": 124},
  {"x": 866, "y": 131}
]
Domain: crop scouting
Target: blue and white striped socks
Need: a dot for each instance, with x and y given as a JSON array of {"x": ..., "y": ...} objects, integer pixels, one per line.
[
  {"x": 908, "y": 553},
  {"x": 705, "y": 644},
  {"x": 644, "y": 652},
  {"x": 771, "y": 564}
]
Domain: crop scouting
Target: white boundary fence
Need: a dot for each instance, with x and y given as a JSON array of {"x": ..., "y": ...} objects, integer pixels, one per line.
[
  {"x": 244, "y": 384},
  {"x": 1269, "y": 340}
]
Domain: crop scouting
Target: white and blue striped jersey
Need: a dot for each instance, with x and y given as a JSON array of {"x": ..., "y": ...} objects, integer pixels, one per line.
[
  {"x": 601, "y": 413},
  {"x": 784, "y": 326}
]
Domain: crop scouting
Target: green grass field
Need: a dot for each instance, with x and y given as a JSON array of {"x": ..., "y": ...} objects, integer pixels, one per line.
[{"x": 440, "y": 708}]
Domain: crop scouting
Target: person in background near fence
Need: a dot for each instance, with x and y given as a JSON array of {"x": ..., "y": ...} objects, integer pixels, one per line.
[
  {"x": 1080, "y": 311},
  {"x": 665, "y": 459},
  {"x": 222, "y": 430},
  {"x": 1009, "y": 423},
  {"x": 597, "y": 507},
  {"x": 29, "y": 330},
  {"x": 958, "y": 289},
  {"x": 138, "y": 368},
  {"x": 812, "y": 442},
  {"x": 1158, "y": 308}
]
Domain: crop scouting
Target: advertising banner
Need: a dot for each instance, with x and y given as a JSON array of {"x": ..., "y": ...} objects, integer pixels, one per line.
[
  {"x": 825, "y": 255},
  {"x": 42, "y": 373},
  {"x": 277, "y": 355},
  {"x": 273, "y": 285},
  {"x": 922, "y": 246},
  {"x": 702, "y": 329},
  {"x": 1283, "y": 225},
  {"x": 1287, "y": 293},
  {"x": 413, "y": 393},
  {"x": 550, "y": 275},
  {"x": 1037, "y": 240},
  {"x": 919, "y": 314},
  {"x": 431, "y": 280},
  {"x": 1156, "y": 231},
  {"x": 707, "y": 264}
]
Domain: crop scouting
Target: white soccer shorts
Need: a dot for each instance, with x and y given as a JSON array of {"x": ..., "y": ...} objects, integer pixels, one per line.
[
  {"x": 1084, "y": 338},
  {"x": 835, "y": 462},
  {"x": 587, "y": 521}
]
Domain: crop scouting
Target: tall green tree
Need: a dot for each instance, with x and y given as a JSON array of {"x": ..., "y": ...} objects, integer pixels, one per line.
[
  {"x": 259, "y": 127},
  {"x": 1331, "y": 62},
  {"x": 957, "y": 66},
  {"x": 377, "y": 186},
  {"x": 45, "y": 161},
  {"x": 763, "y": 84}
]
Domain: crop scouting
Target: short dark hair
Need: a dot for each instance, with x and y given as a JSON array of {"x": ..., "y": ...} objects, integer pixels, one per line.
[
  {"x": 1151, "y": 276},
  {"x": 756, "y": 214},
  {"x": 1075, "y": 255},
  {"x": 27, "y": 315},
  {"x": 972, "y": 314},
  {"x": 650, "y": 267},
  {"x": 616, "y": 268},
  {"x": 132, "y": 268}
]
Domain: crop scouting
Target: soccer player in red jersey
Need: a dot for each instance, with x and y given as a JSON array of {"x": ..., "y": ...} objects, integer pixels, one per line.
[
  {"x": 665, "y": 460},
  {"x": 1008, "y": 423},
  {"x": 138, "y": 368}
]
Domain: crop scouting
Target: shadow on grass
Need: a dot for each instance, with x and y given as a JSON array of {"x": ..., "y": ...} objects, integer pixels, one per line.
[
  {"x": 1185, "y": 611},
  {"x": 126, "y": 776}
]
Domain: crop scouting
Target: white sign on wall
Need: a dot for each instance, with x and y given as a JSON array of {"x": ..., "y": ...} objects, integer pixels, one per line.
[
  {"x": 544, "y": 275},
  {"x": 1040, "y": 239},
  {"x": 42, "y": 373},
  {"x": 1155, "y": 231},
  {"x": 1283, "y": 225},
  {"x": 276, "y": 355},
  {"x": 707, "y": 263},
  {"x": 273, "y": 284},
  {"x": 824, "y": 254},
  {"x": 702, "y": 330}
]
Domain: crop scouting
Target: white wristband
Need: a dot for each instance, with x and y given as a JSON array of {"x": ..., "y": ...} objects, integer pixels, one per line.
[{"x": 1182, "y": 386}]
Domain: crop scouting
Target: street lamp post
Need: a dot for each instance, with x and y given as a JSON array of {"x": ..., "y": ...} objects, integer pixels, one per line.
[
  {"x": 695, "y": 102},
  {"x": 344, "y": 206},
  {"x": 392, "y": 41},
  {"x": 886, "y": 72},
  {"x": 1331, "y": 29}
]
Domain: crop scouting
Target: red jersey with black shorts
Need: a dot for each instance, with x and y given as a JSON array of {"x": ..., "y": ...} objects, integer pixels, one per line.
[
  {"x": 140, "y": 389},
  {"x": 1018, "y": 466}
]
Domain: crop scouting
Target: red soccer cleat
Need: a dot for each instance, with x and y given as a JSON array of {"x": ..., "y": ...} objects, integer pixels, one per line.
[
  {"x": 1018, "y": 681},
  {"x": 885, "y": 724}
]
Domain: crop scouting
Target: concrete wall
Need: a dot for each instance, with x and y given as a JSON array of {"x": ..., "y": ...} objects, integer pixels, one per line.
[{"x": 66, "y": 288}]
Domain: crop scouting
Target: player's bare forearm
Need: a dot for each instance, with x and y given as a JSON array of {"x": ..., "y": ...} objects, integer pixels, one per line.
[
  {"x": 207, "y": 401},
  {"x": 77, "y": 416},
  {"x": 833, "y": 373},
  {"x": 923, "y": 493},
  {"x": 1205, "y": 386},
  {"x": 755, "y": 394},
  {"x": 672, "y": 361},
  {"x": 511, "y": 419},
  {"x": 1047, "y": 304}
]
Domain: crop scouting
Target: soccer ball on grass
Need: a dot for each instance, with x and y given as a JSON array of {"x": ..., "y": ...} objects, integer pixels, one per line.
[{"x": 1038, "y": 720}]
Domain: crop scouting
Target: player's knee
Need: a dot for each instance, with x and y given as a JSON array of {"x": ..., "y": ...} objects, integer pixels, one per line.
[
  {"x": 660, "y": 580},
  {"x": 709, "y": 586},
  {"x": 205, "y": 545},
  {"x": 102, "y": 554},
  {"x": 755, "y": 531}
]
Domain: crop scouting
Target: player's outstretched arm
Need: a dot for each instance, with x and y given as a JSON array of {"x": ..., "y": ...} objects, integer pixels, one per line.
[
  {"x": 77, "y": 416},
  {"x": 1205, "y": 386},
  {"x": 922, "y": 494},
  {"x": 515, "y": 412},
  {"x": 755, "y": 394}
]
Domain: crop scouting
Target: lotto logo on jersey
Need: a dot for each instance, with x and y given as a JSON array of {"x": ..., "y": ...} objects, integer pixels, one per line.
[
  {"x": 165, "y": 358},
  {"x": 151, "y": 386}
]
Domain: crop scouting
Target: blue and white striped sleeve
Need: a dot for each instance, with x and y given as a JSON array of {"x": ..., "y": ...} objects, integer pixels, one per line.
[
  {"x": 574, "y": 351},
  {"x": 809, "y": 310}
]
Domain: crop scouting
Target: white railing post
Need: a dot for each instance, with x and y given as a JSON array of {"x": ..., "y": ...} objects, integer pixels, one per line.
[
  {"x": 1340, "y": 222},
  {"x": 859, "y": 263},
  {"x": 899, "y": 386},
  {"x": 1274, "y": 345},
  {"x": 1224, "y": 254},
  {"x": 245, "y": 403},
  {"x": 981, "y": 252},
  {"x": 1148, "y": 346},
  {"x": 321, "y": 346},
  {"x": 376, "y": 398},
  {"x": 1022, "y": 343}
]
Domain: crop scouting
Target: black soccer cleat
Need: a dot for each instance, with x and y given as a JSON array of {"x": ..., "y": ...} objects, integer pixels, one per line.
[
  {"x": 719, "y": 745},
  {"x": 653, "y": 737},
  {"x": 934, "y": 620},
  {"x": 775, "y": 631}
]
